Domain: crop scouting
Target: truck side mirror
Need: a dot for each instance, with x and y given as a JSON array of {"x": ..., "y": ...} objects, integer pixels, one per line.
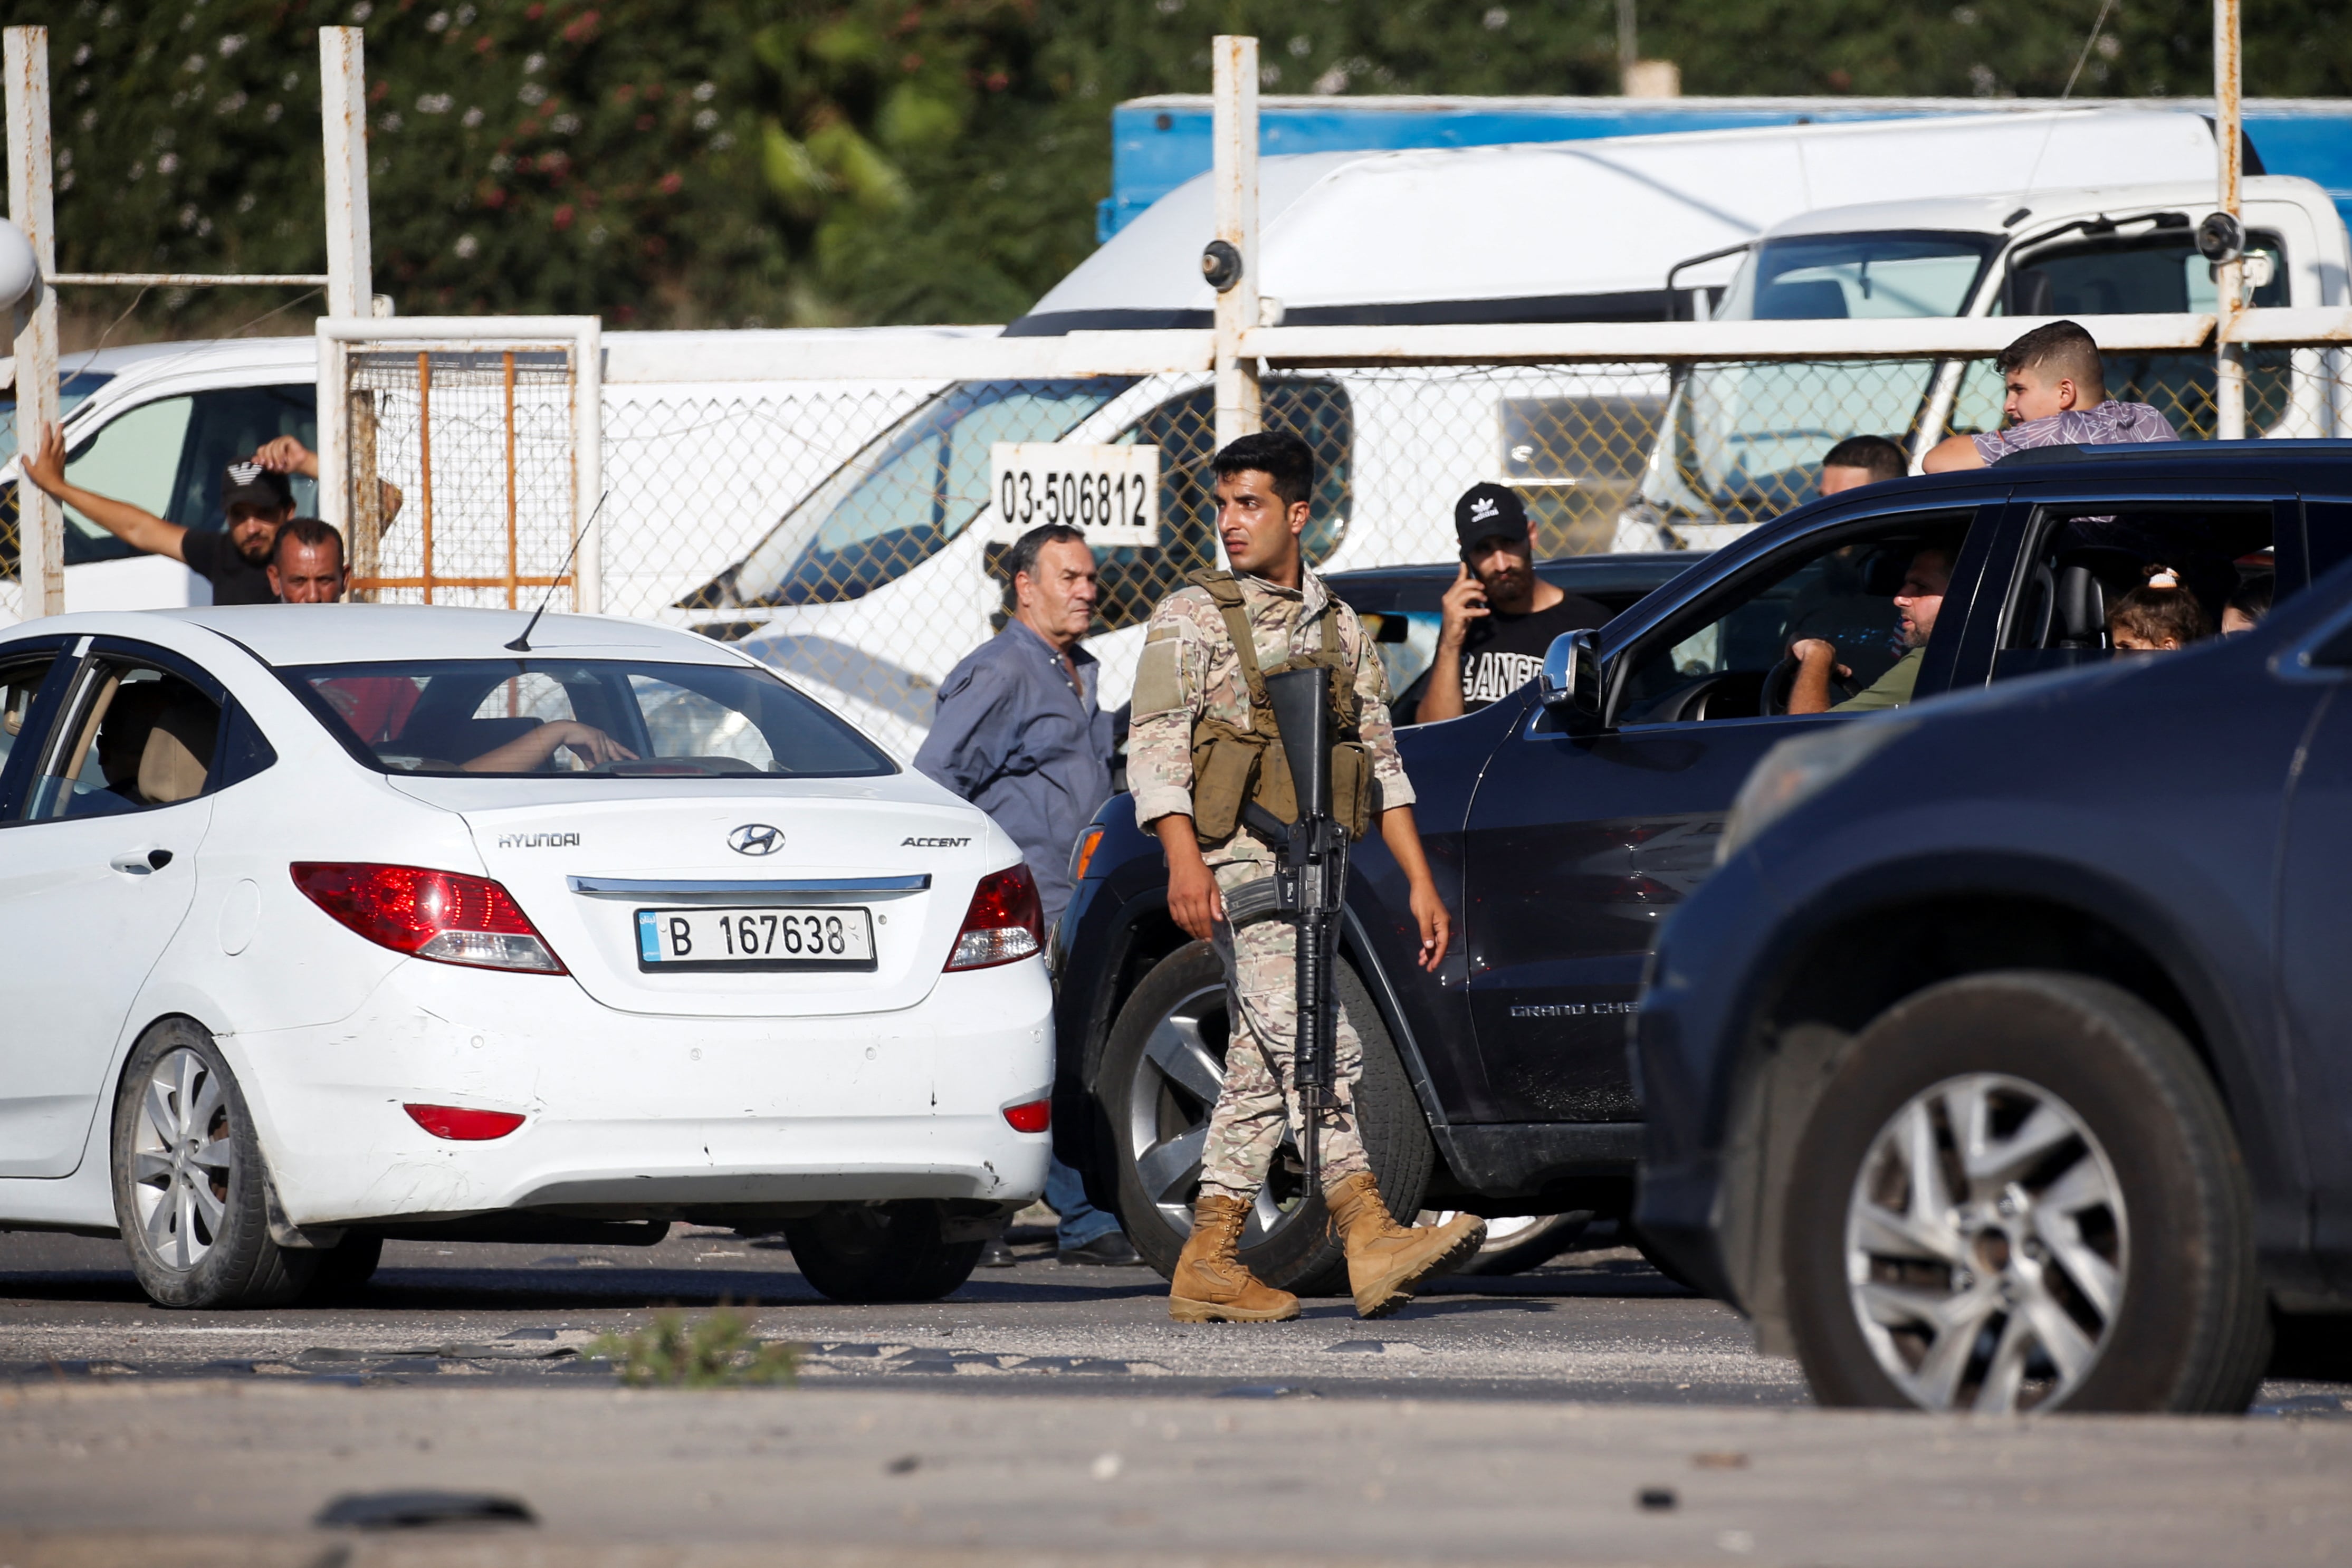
[{"x": 1569, "y": 687}]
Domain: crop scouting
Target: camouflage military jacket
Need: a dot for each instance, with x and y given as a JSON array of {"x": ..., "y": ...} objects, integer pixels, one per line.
[{"x": 1189, "y": 671}]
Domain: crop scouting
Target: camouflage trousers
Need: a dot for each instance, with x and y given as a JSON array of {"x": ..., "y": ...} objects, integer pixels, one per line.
[{"x": 1260, "y": 1093}]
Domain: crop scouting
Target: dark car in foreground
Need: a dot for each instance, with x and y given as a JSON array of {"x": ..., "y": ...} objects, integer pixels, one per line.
[
  {"x": 2006, "y": 1061},
  {"x": 1564, "y": 827}
]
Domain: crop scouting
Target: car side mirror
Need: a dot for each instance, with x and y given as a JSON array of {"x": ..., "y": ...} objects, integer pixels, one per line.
[{"x": 1569, "y": 687}]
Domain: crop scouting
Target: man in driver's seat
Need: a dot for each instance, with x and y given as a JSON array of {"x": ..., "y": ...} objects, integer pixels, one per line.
[{"x": 1915, "y": 603}]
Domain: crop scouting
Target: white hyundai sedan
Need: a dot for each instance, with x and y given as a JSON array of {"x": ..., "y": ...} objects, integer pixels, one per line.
[{"x": 322, "y": 924}]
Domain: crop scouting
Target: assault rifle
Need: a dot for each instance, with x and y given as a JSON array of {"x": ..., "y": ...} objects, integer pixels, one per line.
[{"x": 1308, "y": 889}]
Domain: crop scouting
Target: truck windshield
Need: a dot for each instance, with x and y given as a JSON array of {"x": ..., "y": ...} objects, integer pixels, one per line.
[
  {"x": 912, "y": 489},
  {"x": 1828, "y": 277},
  {"x": 1750, "y": 437}
]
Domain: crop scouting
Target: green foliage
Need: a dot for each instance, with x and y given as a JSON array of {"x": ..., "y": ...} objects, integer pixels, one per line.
[
  {"x": 836, "y": 161},
  {"x": 719, "y": 1352}
]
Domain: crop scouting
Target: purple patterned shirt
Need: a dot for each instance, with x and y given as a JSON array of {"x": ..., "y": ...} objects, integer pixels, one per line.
[{"x": 2112, "y": 423}]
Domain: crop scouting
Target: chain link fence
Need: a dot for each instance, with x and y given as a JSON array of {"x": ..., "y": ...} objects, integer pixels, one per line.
[
  {"x": 841, "y": 527},
  {"x": 870, "y": 579}
]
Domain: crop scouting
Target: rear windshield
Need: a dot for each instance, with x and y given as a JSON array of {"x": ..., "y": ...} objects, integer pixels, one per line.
[{"x": 513, "y": 717}]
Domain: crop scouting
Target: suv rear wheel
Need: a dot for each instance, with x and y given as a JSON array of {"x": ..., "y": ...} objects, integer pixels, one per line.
[
  {"x": 2020, "y": 1192},
  {"x": 1161, "y": 1069}
]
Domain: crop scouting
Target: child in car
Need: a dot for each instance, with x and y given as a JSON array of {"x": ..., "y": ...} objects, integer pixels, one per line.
[{"x": 2161, "y": 615}]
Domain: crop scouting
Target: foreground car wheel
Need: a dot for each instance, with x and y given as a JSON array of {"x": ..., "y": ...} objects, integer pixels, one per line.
[
  {"x": 1161, "y": 1070},
  {"x": 866, "y": 1253},
  {"x": 2020, "y": 1192},
  {"x": 190, "y": 1191}
]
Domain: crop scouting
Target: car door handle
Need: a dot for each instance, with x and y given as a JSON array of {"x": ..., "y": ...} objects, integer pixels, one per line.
[{"x": 141, "y": 862}]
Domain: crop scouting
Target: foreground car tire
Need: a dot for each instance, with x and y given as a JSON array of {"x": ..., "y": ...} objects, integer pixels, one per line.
[
  {"x": 2020, "y": 1192},
  {"x": 1161, "y": 1069},
  {"x": 867, "y": 1253},
  {"x": 191, "y": 1194}
]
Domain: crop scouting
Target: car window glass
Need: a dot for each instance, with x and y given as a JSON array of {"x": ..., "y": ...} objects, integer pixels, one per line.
[
  {"x": 684, "y": 723},
  {"x": 137, "y": 737},
  {"x": 906, "y": 493},
  {"x": 535, "y": 694},
  {"x": 1407, "y": 643},
  {"x": 20, "y": 682},
  {"x": 1717, "y": 664},
  {"x": 602, "y": 718},
  {"x": 1577, "y": 462},
  {"x": 133, "y": 457},
  {"x": 2085, "y": 567},
  {"x": 229, "y": 426}
]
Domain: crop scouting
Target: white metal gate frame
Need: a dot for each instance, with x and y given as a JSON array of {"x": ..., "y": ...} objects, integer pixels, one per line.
[{"x": 343, "y": 503}]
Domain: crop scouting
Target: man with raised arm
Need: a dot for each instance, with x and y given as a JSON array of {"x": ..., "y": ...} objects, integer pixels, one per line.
[
  {"x": 1197, "y": 760},
  {"x": 257, "y": 498}
]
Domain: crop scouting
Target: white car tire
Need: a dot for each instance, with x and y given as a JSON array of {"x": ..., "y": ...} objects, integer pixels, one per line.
[{"x": 191, "y": 1194}]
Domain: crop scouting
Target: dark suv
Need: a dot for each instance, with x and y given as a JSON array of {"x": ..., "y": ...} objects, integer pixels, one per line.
[
  {"x": 1564, "y": 826},
  {"x": 2002, "y": 1063}
]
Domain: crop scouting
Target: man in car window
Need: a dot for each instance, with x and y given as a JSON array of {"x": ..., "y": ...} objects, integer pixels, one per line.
[
  {"x": 2057, "y": 398},
  {"x": 1500, "y": 617},
  {"x": 1018, "y": 733},
  {"x": 258, "y": 500},
  {"x": 1916, "y": 602}
]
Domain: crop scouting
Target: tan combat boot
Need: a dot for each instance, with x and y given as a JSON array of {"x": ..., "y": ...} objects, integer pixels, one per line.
[
  {"x": 1211, "y": 1284},
  {"x": 1385, "y": 1259}
]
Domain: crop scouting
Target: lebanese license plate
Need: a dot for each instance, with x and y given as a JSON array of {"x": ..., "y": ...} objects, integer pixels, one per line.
[
  {"x": 830, "y": 938},
  {"x": 1109, "y": 493}
]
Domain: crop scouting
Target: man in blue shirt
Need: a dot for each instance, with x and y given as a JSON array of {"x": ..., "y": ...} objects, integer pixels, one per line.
[{"x": 1018, "y": 733}]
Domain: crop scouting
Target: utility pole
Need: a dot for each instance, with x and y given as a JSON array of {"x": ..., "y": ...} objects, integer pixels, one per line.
[
  {"x": 2229, "y": 275},
  {"x": 40, "y": 520}
]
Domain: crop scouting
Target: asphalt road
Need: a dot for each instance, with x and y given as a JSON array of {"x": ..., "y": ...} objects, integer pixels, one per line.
[
  {"x": 1597, "y": 1325},
  {"x": 1590, "y": 1411}
]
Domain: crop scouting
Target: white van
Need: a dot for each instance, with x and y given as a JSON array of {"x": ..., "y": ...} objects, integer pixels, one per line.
[
  {"x": 875, "y": 582},
  {"x": 1743, "y": 442}
]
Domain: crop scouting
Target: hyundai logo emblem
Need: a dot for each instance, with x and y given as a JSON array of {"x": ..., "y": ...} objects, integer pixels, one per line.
[{"x": 756, "y": 838}]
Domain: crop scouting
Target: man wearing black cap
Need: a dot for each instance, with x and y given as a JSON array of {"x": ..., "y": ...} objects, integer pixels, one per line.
[
  {"x": 236, "y": 562},
  {"x": 1500, "y": 617}
]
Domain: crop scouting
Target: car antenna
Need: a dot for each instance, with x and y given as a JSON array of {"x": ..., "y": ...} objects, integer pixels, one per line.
[{"x": 522, "y": 642}]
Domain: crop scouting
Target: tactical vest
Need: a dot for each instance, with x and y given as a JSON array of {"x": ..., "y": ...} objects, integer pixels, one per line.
[{"x": 1232, "y": 767}]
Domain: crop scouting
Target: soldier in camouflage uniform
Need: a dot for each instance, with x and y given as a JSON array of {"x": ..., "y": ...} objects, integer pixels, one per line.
[{"x": 1191, "y": 678}]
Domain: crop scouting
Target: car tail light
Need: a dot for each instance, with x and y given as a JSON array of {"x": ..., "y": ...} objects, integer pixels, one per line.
[
  {"x": 1083, "y": 855},
  {"x": 1004, "y": 923},
  {"x": 1030, "y": 1115},
  {"x": 445, "y": 916},
  {"x": 461, "y": 1125}
]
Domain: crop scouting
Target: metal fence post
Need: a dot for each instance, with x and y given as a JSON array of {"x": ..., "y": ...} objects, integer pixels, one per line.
[
  {"x": 1234, "y": 126},
  {"x": 342, "y": 110},
  {"x": 2229, "y": 276},
  {"x": 41, "y": 522},
  {"x": 588, "y": 466}
]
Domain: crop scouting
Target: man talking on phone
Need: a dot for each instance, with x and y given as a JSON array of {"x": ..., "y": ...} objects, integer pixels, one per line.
[{"x": 1500, "y": 617}]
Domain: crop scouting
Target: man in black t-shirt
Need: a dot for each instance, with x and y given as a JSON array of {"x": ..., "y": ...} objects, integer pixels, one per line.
[
  {"x": 1500, "y": 617},
  {"x": 257, "y": 498}
]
